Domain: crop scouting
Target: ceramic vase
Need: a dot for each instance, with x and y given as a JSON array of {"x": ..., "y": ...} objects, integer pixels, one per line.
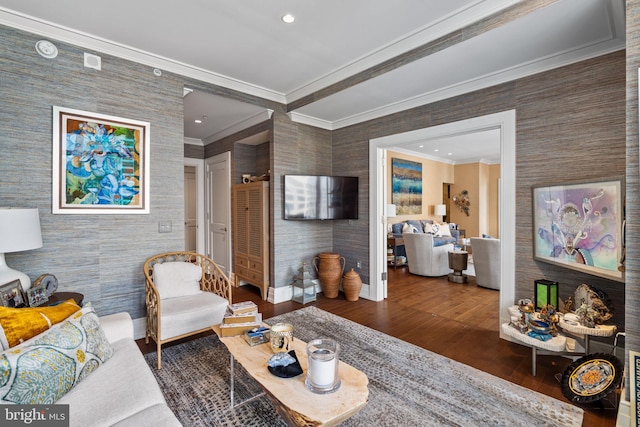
[
  {"x": 351, "y": 285},
  {"x": 330, "y": 267}
]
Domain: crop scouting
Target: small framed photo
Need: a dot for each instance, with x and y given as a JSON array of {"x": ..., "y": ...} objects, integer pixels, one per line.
[
  {"x": 12, "y": 295},
  {"x": 37, "y": 295}
]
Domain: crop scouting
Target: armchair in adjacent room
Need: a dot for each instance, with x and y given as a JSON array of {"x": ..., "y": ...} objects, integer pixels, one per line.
[
  {"x": 486, "y": 261},
  {"x": 423, "y": 257},
  {"x": 186, "y": 294}
]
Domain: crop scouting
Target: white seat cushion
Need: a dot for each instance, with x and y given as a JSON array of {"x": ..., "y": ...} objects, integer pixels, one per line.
[
  {"x": 190, "y": 313},
  {"x": 177, "y": 279},
  {"x": 125, "y": 381}
]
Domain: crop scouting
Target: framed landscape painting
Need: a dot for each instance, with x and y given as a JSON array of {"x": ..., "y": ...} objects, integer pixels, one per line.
[
  {"x": 100, "y": 163},
  {"x": 580, "y": 226}
]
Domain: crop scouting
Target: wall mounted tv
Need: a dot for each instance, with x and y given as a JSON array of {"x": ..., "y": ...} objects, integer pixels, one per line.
[{"x": 309, "y": 197}]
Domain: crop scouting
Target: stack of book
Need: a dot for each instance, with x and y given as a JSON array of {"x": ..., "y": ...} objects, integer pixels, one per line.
[{"x": 240, "y": 317}]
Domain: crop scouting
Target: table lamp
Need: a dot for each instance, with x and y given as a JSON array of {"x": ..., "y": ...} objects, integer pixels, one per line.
[
  {"x": 440, "y": 210},
  {"x": 19, "y": 231},
  {"x": 391, "y": 213}
]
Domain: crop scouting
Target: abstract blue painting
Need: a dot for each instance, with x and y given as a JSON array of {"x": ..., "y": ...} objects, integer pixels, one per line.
[{"x": 406, "y": 184}]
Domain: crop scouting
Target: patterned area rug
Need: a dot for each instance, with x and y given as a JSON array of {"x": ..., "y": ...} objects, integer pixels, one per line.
[{"x": 408, "y": 386}]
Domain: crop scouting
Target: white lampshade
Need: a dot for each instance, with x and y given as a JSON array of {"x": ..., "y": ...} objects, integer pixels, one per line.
[
  {"x": 19, "y": 231},
  {"x": 440, "y": 210},
  {"x": 391, "y": 210}
]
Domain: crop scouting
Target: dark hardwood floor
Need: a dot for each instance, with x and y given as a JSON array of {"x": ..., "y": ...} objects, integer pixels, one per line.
[{"x": 458, "y": 321}]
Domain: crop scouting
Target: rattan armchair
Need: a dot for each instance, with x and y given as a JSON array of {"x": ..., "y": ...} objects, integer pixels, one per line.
[{"x": 171, "y": 315}]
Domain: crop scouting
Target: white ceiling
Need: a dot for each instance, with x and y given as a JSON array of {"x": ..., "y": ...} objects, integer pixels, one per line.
[{"x": 246, "y": 47}]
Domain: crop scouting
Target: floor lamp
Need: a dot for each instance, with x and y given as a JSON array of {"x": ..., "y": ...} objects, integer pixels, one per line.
[{"x": 19, "y": 231}]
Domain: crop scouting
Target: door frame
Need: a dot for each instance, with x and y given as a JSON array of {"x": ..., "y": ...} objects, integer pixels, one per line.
[
  {"x": 506, "y": 122},
  {"x": 198, "y": 164}
]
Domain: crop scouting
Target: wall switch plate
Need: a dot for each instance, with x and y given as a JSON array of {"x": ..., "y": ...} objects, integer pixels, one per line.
[{"x": 164, "y": 226}]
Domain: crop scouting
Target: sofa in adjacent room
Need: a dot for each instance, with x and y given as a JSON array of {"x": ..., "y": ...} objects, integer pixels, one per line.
[{"x": 90, "y": 363}]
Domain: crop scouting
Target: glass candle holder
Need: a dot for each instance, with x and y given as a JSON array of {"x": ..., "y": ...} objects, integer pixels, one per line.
[{"x": 322, "y": 370}]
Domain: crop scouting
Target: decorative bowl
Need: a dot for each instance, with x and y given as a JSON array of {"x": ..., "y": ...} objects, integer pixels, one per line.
[{"x": 539, "y": 327}]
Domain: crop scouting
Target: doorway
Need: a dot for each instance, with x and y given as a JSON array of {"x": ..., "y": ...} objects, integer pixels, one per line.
[
  {"x": 194, "y": 195},
  {"x": 505, "y": 122},
  {"x": 218, "y": 210}
]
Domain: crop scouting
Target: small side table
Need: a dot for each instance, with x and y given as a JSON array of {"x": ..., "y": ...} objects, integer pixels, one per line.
[
  {"x": 458, "y": 263},
  {"x": 58, "y": 297},
  {"x": 556, "y": 345},
  {"x": 578, "y": 329}
]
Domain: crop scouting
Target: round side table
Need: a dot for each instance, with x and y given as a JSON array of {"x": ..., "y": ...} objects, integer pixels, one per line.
[
  {"x": 458, "y": 263},
  {"x": 58, "y": 297}
]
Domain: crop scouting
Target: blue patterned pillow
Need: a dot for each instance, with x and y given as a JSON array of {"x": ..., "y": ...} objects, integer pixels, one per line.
[{"x": 44, "y": 368}]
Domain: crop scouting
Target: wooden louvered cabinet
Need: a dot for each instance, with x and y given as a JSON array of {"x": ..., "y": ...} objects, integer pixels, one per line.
[{"x": 251, "y": 235}]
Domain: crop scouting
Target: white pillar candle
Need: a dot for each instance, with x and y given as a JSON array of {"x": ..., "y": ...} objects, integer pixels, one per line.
[{"x": 322, "y": 371}]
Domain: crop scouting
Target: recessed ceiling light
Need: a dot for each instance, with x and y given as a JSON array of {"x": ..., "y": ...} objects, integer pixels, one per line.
[
  {"x": 288, "y": 18},
  {"x": 449, "y": 154},
  {"x": 420, "y": 146},
  {"x": 198, "y": 121},
  {"x": 436, "y": 150}
]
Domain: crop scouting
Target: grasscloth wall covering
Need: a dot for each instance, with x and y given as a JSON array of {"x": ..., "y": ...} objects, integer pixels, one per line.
[{"x": 100, "y": 256}]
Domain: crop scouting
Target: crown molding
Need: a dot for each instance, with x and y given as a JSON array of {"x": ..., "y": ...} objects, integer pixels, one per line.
[
  {"x": 566, "y": 58},
  {"x": 311, "y": 121},
  {"x": 193, "y": 141},
  {"x": 241, "y": 125},
  {"x": 78, "y": 38}
]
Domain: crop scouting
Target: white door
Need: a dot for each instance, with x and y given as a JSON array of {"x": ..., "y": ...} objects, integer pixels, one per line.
[
  {"x": 190, "y": 209},
  {"x": 218, "y": 210}
]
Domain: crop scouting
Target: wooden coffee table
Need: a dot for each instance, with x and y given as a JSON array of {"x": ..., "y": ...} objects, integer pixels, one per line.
[{"x": 294, "y": 402}]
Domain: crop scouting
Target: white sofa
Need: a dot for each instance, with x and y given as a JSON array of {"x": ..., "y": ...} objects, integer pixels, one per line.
[
  {"x": 425, "y": 259},
  {"x": 486, "y": 261},
  {"x": 121, "y": 392}
]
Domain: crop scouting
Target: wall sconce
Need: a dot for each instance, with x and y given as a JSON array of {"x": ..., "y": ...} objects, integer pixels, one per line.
[
  {"x": 545, "y": 292},
  {"x": 440, "y": 210}
]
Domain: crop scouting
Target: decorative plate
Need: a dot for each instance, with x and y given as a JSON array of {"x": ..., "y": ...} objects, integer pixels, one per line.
[
  {"x": 48, "y": 282},
  {"x": 591, "y": 377}
]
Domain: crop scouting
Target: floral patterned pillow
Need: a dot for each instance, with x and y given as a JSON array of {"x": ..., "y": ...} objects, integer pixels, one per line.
[{"x": 44, "y": 368}]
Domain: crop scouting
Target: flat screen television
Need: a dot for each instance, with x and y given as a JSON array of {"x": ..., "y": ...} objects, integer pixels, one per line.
[{"x": 309, "y": 197}]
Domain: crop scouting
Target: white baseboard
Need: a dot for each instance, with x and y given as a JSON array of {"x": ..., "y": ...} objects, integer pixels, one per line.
[
  {"x": 624, "y": 411},
  {"x": 139, "y": 328}
]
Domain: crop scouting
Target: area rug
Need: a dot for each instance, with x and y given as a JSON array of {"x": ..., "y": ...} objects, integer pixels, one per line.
[{"x": 408, "y": 386}]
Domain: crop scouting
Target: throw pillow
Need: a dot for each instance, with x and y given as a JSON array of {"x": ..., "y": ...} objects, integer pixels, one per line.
[
  {"x": 407, "y": 228},
  {"x": 486, "y": 236},
  {"x": 426, "y": 225},
  {"x": 417, "y": 226},
  {"x": 45, "y": 368},
  {"x": 397, "y": 228},
  {"x": 177, "y": 279},
  {"x": 444, "y": 231},
  {"x": 435, "y": 228},
  {"x": 20, "y": 324}
]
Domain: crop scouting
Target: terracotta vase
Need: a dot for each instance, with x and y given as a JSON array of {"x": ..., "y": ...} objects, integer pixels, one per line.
[
  {"x": 351, "y": 285},
  {"x": 330, "y": 267}
]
